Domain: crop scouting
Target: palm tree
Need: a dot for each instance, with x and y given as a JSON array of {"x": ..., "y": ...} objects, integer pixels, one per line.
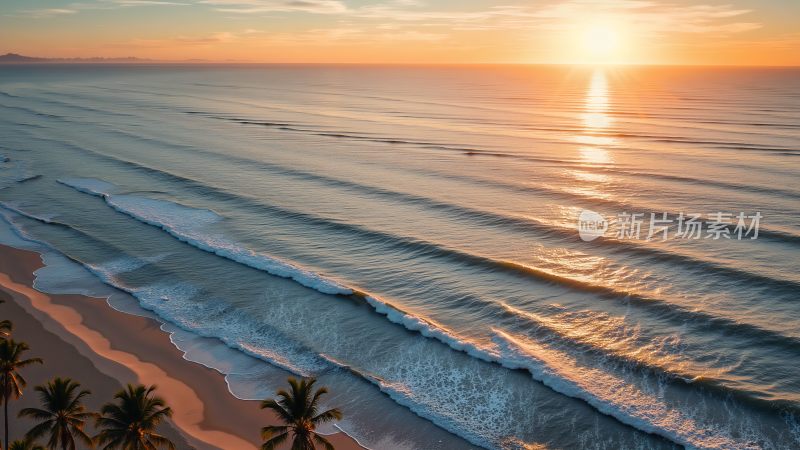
[
  {"x": 130, "y": 423},
  {"x": 62, "y": 416},
  {"x": 299, "y": 411},
  {"x": 11, "y": 382},
  {"x": 25, "y": 444},
  {"x": 5, "y": 326}
]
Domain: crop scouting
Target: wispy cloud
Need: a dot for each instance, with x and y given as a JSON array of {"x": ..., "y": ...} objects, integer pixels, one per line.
[
  {"x": 146, "y": 3},
  {"x": 415, "y": 17},
  {"x": 266, "y": 6},
  {"x": 74, "y": 8},
  {"x": 213, "y": 39},
  {"x": 46, "y": 12},
  {"x": 653, "y": 16}
]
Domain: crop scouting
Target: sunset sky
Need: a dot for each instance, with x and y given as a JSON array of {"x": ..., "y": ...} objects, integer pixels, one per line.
[{"x": 741, "y": 32}]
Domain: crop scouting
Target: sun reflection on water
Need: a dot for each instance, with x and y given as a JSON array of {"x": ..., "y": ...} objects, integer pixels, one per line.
[
  {"x": 596, "y": 105},
  {"x": 592, "y": 152}
]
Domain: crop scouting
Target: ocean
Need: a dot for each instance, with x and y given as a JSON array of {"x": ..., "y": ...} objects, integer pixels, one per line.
[{"x": 410, "y": 236}]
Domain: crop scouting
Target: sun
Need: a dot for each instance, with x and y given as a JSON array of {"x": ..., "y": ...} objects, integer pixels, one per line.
[{"x": 599, "y": 42}]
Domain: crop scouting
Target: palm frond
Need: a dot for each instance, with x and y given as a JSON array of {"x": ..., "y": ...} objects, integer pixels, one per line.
[
  {"x": 324, "y": 442},
  {"x": 275, "y": 441},
  {"x": 327, "y": 416},
  {"x": 271, "y": 430},
  {"x": 161, "y": 441},
  {"x": 25, "y": 444},
  {"x": 6, "y": 327},
  {"x": 38, "y": 431},
  {"x": 35, "y": 414}
]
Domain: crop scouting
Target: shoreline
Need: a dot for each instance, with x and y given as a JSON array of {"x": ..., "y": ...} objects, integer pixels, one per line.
[{"x": 126, "y": 348}]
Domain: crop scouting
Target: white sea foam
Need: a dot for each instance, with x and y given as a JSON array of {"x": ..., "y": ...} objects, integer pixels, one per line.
[
  {"x": 12, "y": 236},
  {"x": 609, "y": 394},
  {"x": 89, "y": 185},
  {"x": 212, "y": 318},
  {"x": 129, "y": 264}
]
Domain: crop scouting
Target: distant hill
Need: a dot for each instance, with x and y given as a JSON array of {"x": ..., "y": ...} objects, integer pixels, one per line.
[
  {"x": 16, "y": 58},
  {"x": 13, "y": 57}
]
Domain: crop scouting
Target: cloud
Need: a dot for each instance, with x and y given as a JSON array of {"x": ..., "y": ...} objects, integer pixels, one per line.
[
  {"x": 652, "y": 16},
  {"x": 213, "y": 39},
  {"x": 146, "y": 3},
  {"x": 266, "y": 6},
  {"x": 47, "y": 12},
  {"x": 411, "y": 35},
  {"x": 413, "y": 17},
  {"x": 77, "y": 7}
]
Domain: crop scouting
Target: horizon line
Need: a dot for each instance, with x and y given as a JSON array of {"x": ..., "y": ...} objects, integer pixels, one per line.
[
  {"x": 145, "y": 62},
  {"x": 136, "y": 60}
]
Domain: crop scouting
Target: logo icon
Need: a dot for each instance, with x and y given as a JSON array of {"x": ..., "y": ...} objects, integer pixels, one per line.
[{"x": 591, "y": 225}]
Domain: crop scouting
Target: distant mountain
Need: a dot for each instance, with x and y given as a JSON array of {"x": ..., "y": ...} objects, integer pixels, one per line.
[
  {"x": 16, "y": 58},
  {"x": 13, "y": 57}
]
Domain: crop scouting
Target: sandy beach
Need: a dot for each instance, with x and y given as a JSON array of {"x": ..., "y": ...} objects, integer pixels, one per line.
[{"x": 85, "y": 339}]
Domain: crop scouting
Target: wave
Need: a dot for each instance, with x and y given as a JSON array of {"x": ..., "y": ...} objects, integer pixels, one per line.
[
  {"x": 508, "y": 347},
  {"x": 783, "y": 193},
  {"x": 15, "y": 172},
  {"x": 182, "y": 222},
  {"x": 223, "y": 247},
  {"x": 49, "y": 219},
  {"x": 142, "y": 210},
  {"x": 89, "y": 186},
  {"x": 630, "y": 348},
  {"x": 149, "y": 211},
  {"x": 611, "y": 395},
  {"x": 51, "y": 101},
  {"x": 172, "y": 303},
  {"x": 631, "y": 407},
  {"x": 494, "y": 217},
  {"x": 162, "y": 215},
  {"x": 35, "y": 113},
  {"x": 764, "y": 231},
  {"x": 186, "y": 226},
  {"x": 486, "y": 218},
  {"x": 380, "y": 140},
  {"x": 556, "y": 138},
  {"x": 52, "y": 220}
]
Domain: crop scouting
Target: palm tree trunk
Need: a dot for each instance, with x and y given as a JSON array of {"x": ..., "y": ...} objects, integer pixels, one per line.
[{"x": 5, "y": 419}]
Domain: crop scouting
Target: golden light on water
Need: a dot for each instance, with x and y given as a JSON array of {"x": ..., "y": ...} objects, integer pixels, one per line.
[
  {"x": 596, "y": 107},
  {"x": 594, "y": 156},
  {"x": 596, "y": 119},
  {"x": 592, "y": 152}
]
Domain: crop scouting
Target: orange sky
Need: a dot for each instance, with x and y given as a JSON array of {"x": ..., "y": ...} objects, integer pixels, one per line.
[{"x": 736, "y": 32}]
